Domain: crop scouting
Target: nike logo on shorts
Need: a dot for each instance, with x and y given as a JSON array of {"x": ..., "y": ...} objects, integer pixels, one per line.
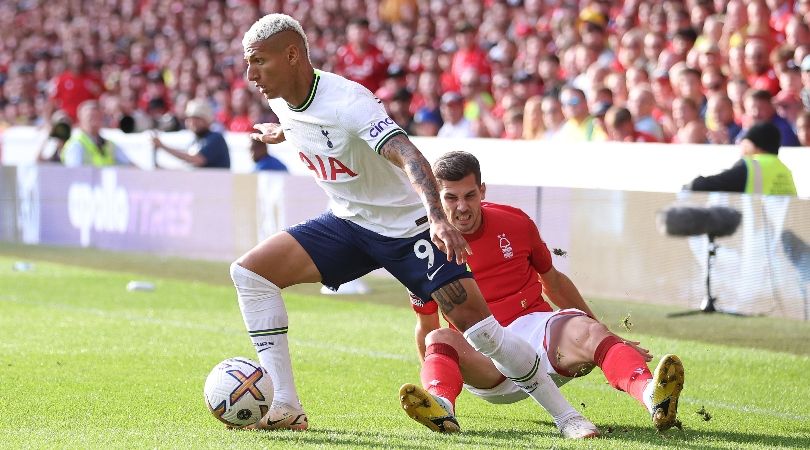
[{"x": 431, "y": 275}]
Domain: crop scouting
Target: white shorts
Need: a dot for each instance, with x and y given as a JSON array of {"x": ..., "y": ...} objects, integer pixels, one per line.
[{"x": 533, "y": 328}]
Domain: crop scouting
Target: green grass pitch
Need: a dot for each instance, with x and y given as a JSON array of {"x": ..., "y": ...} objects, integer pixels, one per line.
[{"x": 86, "y": 364}]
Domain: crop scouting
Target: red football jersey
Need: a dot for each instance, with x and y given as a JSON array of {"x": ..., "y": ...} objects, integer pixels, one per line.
[{"x": 508, "y": 254}]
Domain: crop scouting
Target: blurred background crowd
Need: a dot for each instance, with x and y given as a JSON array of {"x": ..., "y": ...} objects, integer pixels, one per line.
[{"x": 693, "y": 71}]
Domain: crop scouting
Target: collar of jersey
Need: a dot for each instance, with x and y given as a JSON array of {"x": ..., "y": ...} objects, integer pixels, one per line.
[{"x": 312, "y": 89}]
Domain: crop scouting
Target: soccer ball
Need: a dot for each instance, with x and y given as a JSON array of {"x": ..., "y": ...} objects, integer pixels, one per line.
[{"x": 238, "y": 391}]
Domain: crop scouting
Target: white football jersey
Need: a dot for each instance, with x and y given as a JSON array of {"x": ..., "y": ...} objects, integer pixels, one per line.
[{"x": 338, "y": 133}]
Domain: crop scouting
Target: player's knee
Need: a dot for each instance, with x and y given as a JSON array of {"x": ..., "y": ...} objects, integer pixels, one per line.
[
  {"x": 444, "y": 336},
  {"x": 246, "y": 279},
  {"x": 594, "y": 333},
  {"x": 239, "y": 274}
]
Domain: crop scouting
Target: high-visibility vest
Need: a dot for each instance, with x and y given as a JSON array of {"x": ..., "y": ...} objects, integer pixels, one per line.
[
  {"x": 768, "y": 175},
  {"x": 91, "y": 151}
]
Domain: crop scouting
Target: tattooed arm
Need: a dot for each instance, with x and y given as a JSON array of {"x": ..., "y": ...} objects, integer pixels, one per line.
[{"x": 401, "y": 152}]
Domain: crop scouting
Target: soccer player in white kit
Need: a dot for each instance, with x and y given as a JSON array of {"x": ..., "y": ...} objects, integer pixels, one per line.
[{"x": 384, "y": 212}]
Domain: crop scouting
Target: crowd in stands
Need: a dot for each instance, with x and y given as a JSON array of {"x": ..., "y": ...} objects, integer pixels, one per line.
[{"x": 693, "y": 71}]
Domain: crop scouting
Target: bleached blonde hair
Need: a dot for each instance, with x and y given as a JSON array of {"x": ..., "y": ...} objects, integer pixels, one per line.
[{"x": 271, "y": 24}]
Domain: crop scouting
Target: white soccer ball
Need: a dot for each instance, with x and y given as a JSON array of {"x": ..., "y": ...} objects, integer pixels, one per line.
[{"x": 238, "y": 391}]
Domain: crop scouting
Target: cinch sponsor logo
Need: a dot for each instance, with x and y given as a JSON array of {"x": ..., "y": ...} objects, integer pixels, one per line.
[
  {"x": 110, "y": 208},
  {"x": 378, "y": 127}
]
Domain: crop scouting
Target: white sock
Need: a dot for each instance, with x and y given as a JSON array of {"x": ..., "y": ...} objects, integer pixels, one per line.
[
  {"x": 266, "y": 321},
  {"x": 647, "y": 396},
  {"x": 519, "y": 362}
]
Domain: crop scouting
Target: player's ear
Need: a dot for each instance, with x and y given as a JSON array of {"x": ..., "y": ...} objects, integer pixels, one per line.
[
  {"x": 292, "y": 54},
  {"x": 483, "y": 190}
]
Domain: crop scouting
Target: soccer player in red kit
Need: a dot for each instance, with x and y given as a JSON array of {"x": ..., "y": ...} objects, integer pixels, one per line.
[{"x": 513, "y": 267}]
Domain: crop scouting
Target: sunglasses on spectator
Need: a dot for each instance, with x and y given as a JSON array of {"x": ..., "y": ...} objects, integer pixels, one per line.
[{"x": 572, "y": 101}]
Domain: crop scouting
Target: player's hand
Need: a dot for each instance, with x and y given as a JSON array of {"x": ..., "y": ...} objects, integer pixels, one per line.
[
  {"x": 450, "y": 241},
  {"x": 641, "y": 350},
  {"x": 269, "y": 133}
]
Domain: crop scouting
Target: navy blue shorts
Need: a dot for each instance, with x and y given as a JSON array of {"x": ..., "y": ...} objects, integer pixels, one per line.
[{"x": 343, "y": 251}]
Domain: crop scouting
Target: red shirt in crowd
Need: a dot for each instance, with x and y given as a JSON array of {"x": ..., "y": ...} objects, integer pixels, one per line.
[
  {"x": 465, "y": 59},
  {"x": 507, "y": 256},
  {"x": 240, "y": 123},
  {"x": 71, "y": 89},
  {"x": 368, "y": 68},
  {"x": 768, "y": 81}
]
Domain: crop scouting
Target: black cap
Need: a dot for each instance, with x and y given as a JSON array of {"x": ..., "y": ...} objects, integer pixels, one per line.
[{"x": 765, "y": 136}]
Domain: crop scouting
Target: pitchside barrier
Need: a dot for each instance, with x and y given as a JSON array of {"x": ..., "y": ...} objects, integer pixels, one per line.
[{"x": 605, "y": 239}]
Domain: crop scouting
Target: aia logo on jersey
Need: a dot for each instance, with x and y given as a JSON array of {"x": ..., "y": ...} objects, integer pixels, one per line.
[
  {"x": 326, "y": 170},
  {"x": 505, "y": 245},
  {"x": 380, "y": 126}
]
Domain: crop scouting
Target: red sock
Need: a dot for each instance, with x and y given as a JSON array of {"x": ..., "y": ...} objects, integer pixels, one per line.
[
  {"x": 441, "y": 374},
  {"x": 623, "y": 366}
]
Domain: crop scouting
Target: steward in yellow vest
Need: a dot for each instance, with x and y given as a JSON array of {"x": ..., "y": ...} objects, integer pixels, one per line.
[
  {"x": 758, "y": 172},
  {"x": 93, "y": 154},
  {"x": 86, "y": 147}
]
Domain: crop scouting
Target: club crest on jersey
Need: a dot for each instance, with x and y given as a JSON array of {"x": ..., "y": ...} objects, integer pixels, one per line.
[
  {"x": 380, "y": 126},
  {"x": 326, "y": 135},
  {"x": 505, "y": 245}
]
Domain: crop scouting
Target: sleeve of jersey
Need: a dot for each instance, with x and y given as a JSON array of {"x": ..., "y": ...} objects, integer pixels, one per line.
[
  {"x": 540, "y": 256},
  {"x": 424, "y": 307},
  {"x": 367, "y": 119}
]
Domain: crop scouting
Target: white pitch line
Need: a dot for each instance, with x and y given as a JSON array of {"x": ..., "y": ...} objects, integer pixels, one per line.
[{"x": 355, "y": 350}]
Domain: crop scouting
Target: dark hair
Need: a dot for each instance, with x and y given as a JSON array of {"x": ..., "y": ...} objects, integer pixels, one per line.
[
  {"x": 455, "y": 165},
  {"x": 760, "y": 94},
  {"x": 360, "y": 21}
]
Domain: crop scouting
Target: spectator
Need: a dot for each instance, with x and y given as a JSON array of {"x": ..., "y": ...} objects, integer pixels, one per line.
[
  {"x": 360, "y": 60},
  {"x": 209, "y": 149},
  {"x": 86, "y": 147},
  {"x": 693, "y": 133},
  {"x": 76, "y": 84},
  {"x": 803, "y": 128},
  {"x": 469, "y": 56},
  {"x": 736, "y": 90},
  {"x": 720, "y": 123},
  {"x": 759, "y": 108},
  {"x": 533, "y": 118},
  {"x": 452, "y": 111},
  {"x": 553, "y": 118},
  {"x": 580, "y": 125},
  {"x": 805, "y": 92},
  {"x": 619, "y": 127},
  {"x": 397, "y": 109},
  {"x": 263, "y": 159},
  {"x": 714, "y": 82},
  {"x": 759, "y": 171},
  {"x": 689, "y": 86},
  {"x": 789, "y": 106},
  {"x": 239, "y": 120},
  {"x": 761, "y": 74},
  {"x": 548, "y": 69},
  {"x": 641, "y": 103},
  {"x": 684, "y": 113},
  {"x": 426, "y": 123},
  {"x": 512, "y": 124},
  {"x": 396, "y": 79}
]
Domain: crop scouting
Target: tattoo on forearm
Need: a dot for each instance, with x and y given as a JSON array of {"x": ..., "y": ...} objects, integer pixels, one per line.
[
  {"x": 401, "y": 151},
  {"x": 450, "y": 295}
]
